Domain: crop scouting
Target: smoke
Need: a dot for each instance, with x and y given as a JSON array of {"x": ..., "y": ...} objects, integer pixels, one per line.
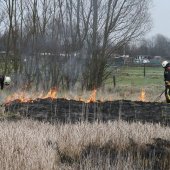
[{"x": 73, "y": 69}]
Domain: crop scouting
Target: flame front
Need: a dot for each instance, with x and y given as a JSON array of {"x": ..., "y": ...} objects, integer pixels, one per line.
[
  {"x": 142, "y": 95},
  {"x": 92, "y": 97},
  {"x": 52, "y": 94},
  {"x": 27, "y": 97},
  {"x": 20, "y": 96}
]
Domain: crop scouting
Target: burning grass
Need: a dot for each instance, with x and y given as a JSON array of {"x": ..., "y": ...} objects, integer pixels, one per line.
[
  {"x": 110, "y": 94},
  {"x": 118, "y": 145}
]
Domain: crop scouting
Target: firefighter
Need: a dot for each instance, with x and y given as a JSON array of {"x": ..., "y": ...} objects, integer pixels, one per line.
[
  {"x": 166, "y": 66},
  {"x": 4, "y": 80}
]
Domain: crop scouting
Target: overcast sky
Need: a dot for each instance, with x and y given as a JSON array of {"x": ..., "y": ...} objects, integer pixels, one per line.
[{"x": 161, "y": 18}]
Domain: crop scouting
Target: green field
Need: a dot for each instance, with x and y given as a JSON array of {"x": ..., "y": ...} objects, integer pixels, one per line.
[
  {"x": 134, "y": 76},
  {"x": 130, "y": 81}
]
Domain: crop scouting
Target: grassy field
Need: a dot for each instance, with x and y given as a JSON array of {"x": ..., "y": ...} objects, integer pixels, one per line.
[
  {"x": 130, "y": 81},
  {"x": 134, "y": 76}
]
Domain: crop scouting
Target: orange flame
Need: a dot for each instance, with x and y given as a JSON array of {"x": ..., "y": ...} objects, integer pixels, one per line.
[
  {"x": 27, "y": 97},
  {"x": 92, "y": 97},
  {"x": 52, "y": 93},
  {"x": 20, "y": 96},
  {"x": 142, "y": 95},
  {"x": 80, "y": 99}
]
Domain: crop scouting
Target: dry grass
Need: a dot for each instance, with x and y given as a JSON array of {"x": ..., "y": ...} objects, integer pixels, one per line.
[{"x": 32, "y": 145}]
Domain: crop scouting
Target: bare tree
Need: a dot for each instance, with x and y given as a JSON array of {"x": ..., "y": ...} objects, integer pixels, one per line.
[
  {"x": 60, "y": 42},
  {"x": 118, "y": 22}
]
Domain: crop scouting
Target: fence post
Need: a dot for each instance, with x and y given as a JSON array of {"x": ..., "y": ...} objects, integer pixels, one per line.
[
  {"x": 114, "y": 80},
  {"x": 144, "y": 70}
]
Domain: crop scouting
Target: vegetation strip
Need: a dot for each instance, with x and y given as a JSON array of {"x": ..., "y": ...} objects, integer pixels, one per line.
[{"x": 37, "y": 145}]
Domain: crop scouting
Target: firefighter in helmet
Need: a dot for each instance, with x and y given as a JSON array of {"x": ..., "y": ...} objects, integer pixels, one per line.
[
  {"x": 166, "y": 66},
  {"x": 4, "y": 80}
]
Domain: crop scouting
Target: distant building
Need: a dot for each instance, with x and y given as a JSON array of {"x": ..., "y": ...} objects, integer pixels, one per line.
[
  {"x": 149, "y": 60},
  {"x": 140, "y": 59},
  {"x": 156, "y": 60},
  {"x": 119, "y": 60}
]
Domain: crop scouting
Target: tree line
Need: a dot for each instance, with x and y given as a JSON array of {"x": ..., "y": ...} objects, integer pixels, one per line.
[
  {"x": 60, "y": 42},
  {"x": 157, "y": 45}
]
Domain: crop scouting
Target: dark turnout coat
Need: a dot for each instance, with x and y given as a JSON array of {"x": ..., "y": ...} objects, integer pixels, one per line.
[
  {"x": 167, "y": 82},
  {"x": 167, "y": 72},
  {"x": 2, "y": 81}
]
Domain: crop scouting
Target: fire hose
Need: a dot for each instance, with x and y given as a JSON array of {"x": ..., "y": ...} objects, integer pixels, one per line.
[
  {"x": 159, "y": 97},
  {"x": 166, "y": 91}
]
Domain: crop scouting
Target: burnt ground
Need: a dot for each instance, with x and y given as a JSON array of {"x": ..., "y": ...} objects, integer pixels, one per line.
[{"x": 63, "y": 110}]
